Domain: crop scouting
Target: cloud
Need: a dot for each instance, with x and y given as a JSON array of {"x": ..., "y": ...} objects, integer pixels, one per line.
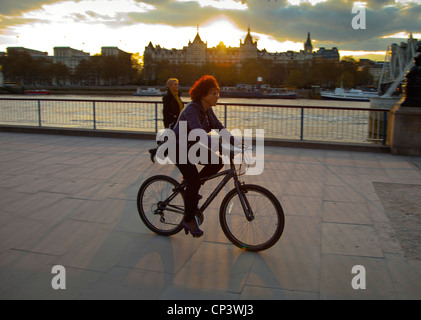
[
  {"x": 177, "y": 14},
  {"x": 17, "y": 7},
  {"x": 328, "y": 21}
]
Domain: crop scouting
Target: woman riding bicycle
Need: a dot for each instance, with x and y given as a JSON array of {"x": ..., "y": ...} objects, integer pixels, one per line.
[{"x": 198, "y": 114}]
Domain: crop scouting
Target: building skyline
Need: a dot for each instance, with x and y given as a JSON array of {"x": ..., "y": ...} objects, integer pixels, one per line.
[
  {"x": 197, "y": 53},
  {"x": 68, "y": 56}
]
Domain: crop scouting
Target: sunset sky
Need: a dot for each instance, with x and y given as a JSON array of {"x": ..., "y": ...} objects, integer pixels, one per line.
[{"x": 278, "y": 25}]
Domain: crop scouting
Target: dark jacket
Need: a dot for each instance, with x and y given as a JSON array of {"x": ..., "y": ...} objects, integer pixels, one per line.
[{"x": 171, "y": 108}]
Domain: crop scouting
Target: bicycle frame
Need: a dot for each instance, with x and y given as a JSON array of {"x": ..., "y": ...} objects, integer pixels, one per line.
[
  {"x": 161, "y": 203},
  {"x": 228, "y": 175}
]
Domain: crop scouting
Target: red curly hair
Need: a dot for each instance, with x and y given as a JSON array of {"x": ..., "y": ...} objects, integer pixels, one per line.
[{"x": 202, "y": 86}]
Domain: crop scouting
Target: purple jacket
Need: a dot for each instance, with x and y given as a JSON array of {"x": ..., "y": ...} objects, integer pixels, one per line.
[{"x": 194, "y": 115}]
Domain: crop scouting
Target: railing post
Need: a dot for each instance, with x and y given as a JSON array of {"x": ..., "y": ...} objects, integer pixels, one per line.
[
  {"x": 94, "y": 114},
  {"x": 39, "y": 113},
  {"x": 225, "y": 115},
  {"x": 384, "y": 127},
  {"x": 302, "y": 124},
  {"x": 156, "y": 117}
]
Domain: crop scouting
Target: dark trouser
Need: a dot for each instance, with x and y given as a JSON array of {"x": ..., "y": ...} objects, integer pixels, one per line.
[{"x": 192, "y": 176}]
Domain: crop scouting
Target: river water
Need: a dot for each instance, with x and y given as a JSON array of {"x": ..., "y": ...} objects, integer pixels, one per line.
[
  {"x": 288, "y": 102},
  {"x": 286, "y": 122}
]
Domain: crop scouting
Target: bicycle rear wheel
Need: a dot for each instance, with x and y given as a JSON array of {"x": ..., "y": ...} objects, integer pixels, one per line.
[
  {"x": 263, "y": 229},
  {"x": 157, "y": 213}
]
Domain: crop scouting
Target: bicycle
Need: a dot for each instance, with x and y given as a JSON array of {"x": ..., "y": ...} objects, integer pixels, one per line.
[{"x": 250, "y": 216}]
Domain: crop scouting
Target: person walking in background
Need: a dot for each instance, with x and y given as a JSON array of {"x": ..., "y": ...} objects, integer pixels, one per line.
[
  {"x": 172, "y": 103},
  {"x": 172, "y": 108}
]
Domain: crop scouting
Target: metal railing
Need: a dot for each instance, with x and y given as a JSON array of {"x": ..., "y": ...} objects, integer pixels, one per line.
[{"x": 333, "y": 124}]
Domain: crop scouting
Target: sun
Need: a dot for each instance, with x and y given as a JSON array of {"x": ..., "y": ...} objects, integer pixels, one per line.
[
  {"x": 224, "y": 30},
  {"x": 220, "y": 30}
]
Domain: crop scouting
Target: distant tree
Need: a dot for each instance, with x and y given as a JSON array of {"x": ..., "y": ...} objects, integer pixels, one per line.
[
  {"x": 277, "y": 74},
  {"x": 42, "y": 71},
  {"x": 137, "y": 65},
  {"x": 365, "y": 78},
  {"x": 227, "y": 75},
  {"x": 88, "y": 71},
  {"x": 348, "y": 75},
  {"x": 164, "y": 71},
  {"x": 19, "y": 66},
  {"x": 249, "y": 71},
  {"x": 61, "y": 72},
  {"x": 353, "y": 73},
  {"x": 324, "y": 73},
  {"x": 296, "y": 77},
  {"x": 116, "y": 70},
  {"x": 346, "y": 80}
]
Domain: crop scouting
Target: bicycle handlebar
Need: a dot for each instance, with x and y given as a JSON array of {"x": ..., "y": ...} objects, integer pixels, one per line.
[{"x": 235, "y": 150}]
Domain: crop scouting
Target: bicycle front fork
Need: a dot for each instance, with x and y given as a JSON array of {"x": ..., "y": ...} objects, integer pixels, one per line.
[{"x": 244, "y": 201}]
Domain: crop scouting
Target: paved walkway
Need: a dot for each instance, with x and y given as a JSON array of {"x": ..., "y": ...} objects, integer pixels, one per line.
[{"x": 71, "y": 201}]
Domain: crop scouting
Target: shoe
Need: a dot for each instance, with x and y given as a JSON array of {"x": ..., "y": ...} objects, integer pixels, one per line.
[
  {"x": 195, "y": 231},
  {"x": 153, "y": 153}
]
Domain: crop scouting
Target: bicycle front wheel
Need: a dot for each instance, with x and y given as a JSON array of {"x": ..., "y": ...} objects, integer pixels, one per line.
[
  {"x": 262, "y": 228},
  {"x": 160, "y": 208}
]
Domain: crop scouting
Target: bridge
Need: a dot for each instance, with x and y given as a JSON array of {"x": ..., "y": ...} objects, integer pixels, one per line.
[{"x": 399, "y": 60}]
